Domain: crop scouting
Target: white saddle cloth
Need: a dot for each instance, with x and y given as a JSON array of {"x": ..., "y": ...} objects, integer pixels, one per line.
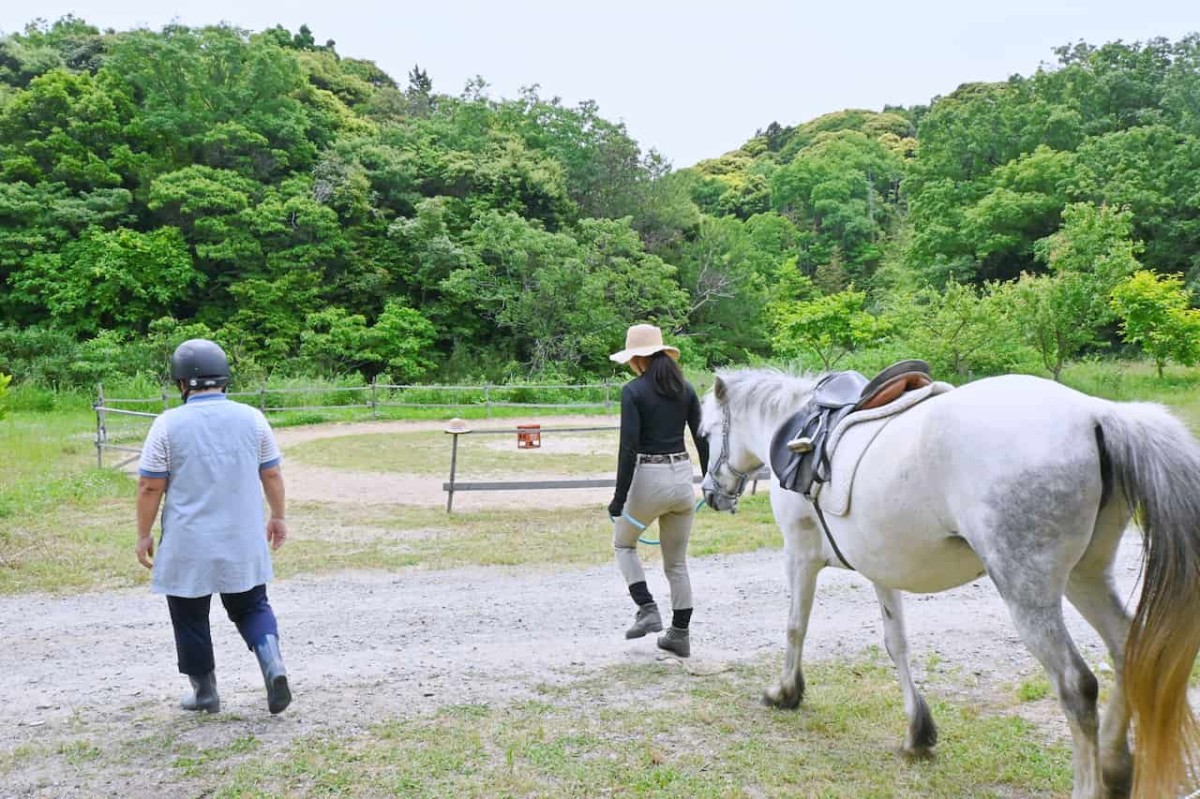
[{"x": 850, "y": 440}]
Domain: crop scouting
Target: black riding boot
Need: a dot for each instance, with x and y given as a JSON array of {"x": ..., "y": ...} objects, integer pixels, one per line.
[
  {"x": 279, "y": 696},
  {"x": 204, "y": 694}
]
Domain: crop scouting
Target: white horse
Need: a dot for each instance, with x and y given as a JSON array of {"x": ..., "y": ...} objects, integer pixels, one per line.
[{"x": 1031, "y": 483}]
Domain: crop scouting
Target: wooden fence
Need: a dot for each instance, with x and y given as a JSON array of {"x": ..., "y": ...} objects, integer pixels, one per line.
[
  {"x": 378, "y": 395},
  {"x": 375, "y": 396},
  {"x": 453, "y": 484}
]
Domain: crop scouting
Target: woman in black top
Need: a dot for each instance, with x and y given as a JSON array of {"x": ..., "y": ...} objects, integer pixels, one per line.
[{"x": 655, "y": 480}]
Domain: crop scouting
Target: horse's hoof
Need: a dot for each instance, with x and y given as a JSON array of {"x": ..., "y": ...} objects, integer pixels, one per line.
[
  {"x": 917, "y": 753},
  {"x": 784, "y": 700},
  {"x": 1119, "y": 784}
]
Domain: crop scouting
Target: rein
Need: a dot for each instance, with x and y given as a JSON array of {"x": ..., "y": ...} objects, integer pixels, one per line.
[{"x": 641, "y": 527}]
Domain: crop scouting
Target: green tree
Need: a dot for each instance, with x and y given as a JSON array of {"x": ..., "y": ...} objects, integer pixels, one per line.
[
  {"x": 1155, "y": 315},
  {"x": 828, "y": 327},
  {"x": 1062, "y": 312},
  {"x": 401, "y": 342},
  {"x": 1148, "y": 170},
  {"x": 1094, "y": 242},
  {"x": 727, "y": 268},
  {"x": 963, "y": 332},
  {"x": 844, "y": 188},
  {"x": 4, "y": 381},
  {"x": 72, "y": 129},
  {"x": 229, "y": 101},
  {"x": 119, "y": 279},
  {"x": 334, "y": 341}
]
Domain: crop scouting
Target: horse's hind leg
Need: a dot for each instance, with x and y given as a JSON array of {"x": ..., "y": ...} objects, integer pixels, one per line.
[
  {"x": 1031, "y": 574},
  {"x": 1091, "y": 591},
  {"x": 922, "y": 733}
]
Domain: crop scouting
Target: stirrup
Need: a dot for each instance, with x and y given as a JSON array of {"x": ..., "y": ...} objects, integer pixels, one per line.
[{"x": 801, "y": 444}]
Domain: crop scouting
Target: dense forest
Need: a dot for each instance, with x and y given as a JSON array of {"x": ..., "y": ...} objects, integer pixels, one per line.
[{"x": 320, "y": 217}]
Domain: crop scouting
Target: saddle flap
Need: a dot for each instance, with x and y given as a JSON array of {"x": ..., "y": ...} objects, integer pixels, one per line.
[{"x": 784, "y": 462}]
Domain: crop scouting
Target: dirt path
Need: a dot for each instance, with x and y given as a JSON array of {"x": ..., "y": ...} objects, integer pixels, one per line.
[{"x": 362, "y": 647}]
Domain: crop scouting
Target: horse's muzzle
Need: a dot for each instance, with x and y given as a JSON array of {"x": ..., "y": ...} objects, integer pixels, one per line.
[{"x": 720, "y": 502}]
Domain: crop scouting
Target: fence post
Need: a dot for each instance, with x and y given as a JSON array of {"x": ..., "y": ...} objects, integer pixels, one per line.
[
  {"x": 166, "y": 400},
  {"x": 607, "y": 401},
  {"x": 101, "y": 434},
  {"x": 487, "y": 403},
  {"x": 262, "y": 399},
  {"x": 453, "y": 467},
  {"x": 374, "y": 404}
]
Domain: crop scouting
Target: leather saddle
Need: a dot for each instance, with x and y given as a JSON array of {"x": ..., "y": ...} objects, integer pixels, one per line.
[{"x": 799, "y": 456}]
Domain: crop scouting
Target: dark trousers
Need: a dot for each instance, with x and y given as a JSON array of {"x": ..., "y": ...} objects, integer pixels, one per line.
[{"x": 249, "y": 610}]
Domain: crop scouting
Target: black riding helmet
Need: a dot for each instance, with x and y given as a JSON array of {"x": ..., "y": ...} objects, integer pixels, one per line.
[{"x": 201, "y": 363}]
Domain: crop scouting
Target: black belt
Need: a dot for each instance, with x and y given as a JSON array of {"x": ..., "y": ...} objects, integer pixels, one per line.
[{"x": 672, "y": 457}]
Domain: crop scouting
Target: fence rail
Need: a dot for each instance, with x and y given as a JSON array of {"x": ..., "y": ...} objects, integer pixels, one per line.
[
  {"x": 106, "y": 407},
  {"x": 453, "y": 485},
  {"x": 379, "y": 396}
]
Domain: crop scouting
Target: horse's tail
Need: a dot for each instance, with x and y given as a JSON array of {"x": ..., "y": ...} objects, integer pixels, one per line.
[{"x": 1156, "y": 462}]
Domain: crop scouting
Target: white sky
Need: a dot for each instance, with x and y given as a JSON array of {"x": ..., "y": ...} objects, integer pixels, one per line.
[{"x": 692, "y": 79}]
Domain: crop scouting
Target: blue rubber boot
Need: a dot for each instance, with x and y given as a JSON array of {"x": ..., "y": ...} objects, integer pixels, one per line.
[
  {"x": 204, "y": 694},
  {"x": 279, "y": 695}
]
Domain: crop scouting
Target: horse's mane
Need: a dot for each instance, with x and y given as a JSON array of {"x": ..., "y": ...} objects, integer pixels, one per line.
[{"x": 769, "y": 392}]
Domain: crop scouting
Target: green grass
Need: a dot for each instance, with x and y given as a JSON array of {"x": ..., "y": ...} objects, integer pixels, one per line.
[
  {"x": 66, "y": 526},
  {"x": 58, "y": 513},
  {"x": 286, "y": 418},
  {"x": 69, "y": 550},
  {"x": 1033, "y": 689},
  {"x": 635, "y": 730},
  {"x": 655, "y": 731},
  {"x": 428, "y": 453},
  {"x": 81, "y": 538},
  {"x": 1179, "y": 387},
  {"x": 386, "y": 537}
]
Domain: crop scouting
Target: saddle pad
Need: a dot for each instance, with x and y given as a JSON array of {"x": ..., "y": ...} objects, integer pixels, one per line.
[{"x": 853, "y": 436}]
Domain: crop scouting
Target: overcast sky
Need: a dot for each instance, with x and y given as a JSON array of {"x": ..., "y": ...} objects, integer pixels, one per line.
[{"x": 691, "y": 79}]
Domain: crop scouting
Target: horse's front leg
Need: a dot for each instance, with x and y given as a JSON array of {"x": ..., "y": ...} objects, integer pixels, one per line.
[
  {"x": 802, "y": 570},
  {"x": 922, "y": 733}
]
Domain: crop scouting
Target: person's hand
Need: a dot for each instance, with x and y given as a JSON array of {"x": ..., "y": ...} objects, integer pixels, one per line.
[
  {"x": 277, "y": 532},
  {"x": 615, "y": 508},
  {"x": 145, "y": 551}
]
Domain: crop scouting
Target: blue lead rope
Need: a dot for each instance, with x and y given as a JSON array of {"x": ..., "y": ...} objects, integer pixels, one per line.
[{"x": 641, "y": 527}]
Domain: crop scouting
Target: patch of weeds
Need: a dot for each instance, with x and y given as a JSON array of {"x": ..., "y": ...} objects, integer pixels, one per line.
[
  {"x": 78, "y": 752},
  {"x": 194, "y": 765},
  {"x": 1033, "y": 689},
  {"x": 19, "y": 755}
]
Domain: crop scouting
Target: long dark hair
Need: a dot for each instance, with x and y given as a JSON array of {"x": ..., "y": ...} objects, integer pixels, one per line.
[{"x": 665, "y": 375}]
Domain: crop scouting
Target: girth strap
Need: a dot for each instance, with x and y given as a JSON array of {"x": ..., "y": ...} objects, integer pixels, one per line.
[{"x": 829, "y": 536}]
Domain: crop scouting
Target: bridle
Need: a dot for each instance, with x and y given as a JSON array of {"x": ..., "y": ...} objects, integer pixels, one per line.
[{"x": 723, "y": 461}]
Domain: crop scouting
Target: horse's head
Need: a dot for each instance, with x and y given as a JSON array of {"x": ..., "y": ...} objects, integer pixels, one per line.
[{"x": 731, "y": 462}]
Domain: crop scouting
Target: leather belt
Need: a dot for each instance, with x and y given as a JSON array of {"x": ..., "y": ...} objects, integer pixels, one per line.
[{"x": 673, "y": 457}]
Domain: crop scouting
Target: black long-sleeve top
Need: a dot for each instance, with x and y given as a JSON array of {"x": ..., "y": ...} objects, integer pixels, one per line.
[{"x": 653, "y": 424}]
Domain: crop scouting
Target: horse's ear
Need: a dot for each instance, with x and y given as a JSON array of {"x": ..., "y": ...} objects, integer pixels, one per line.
[{"x": 719, "y": 390}]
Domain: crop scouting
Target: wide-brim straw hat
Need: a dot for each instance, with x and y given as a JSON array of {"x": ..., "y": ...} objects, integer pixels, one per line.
[{"x": 643, "y": 340}]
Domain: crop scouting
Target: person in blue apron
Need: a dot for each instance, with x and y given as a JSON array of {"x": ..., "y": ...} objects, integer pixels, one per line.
[
  {"x": 655, "y": 480},
  {"x": 208, "y": 463}
]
